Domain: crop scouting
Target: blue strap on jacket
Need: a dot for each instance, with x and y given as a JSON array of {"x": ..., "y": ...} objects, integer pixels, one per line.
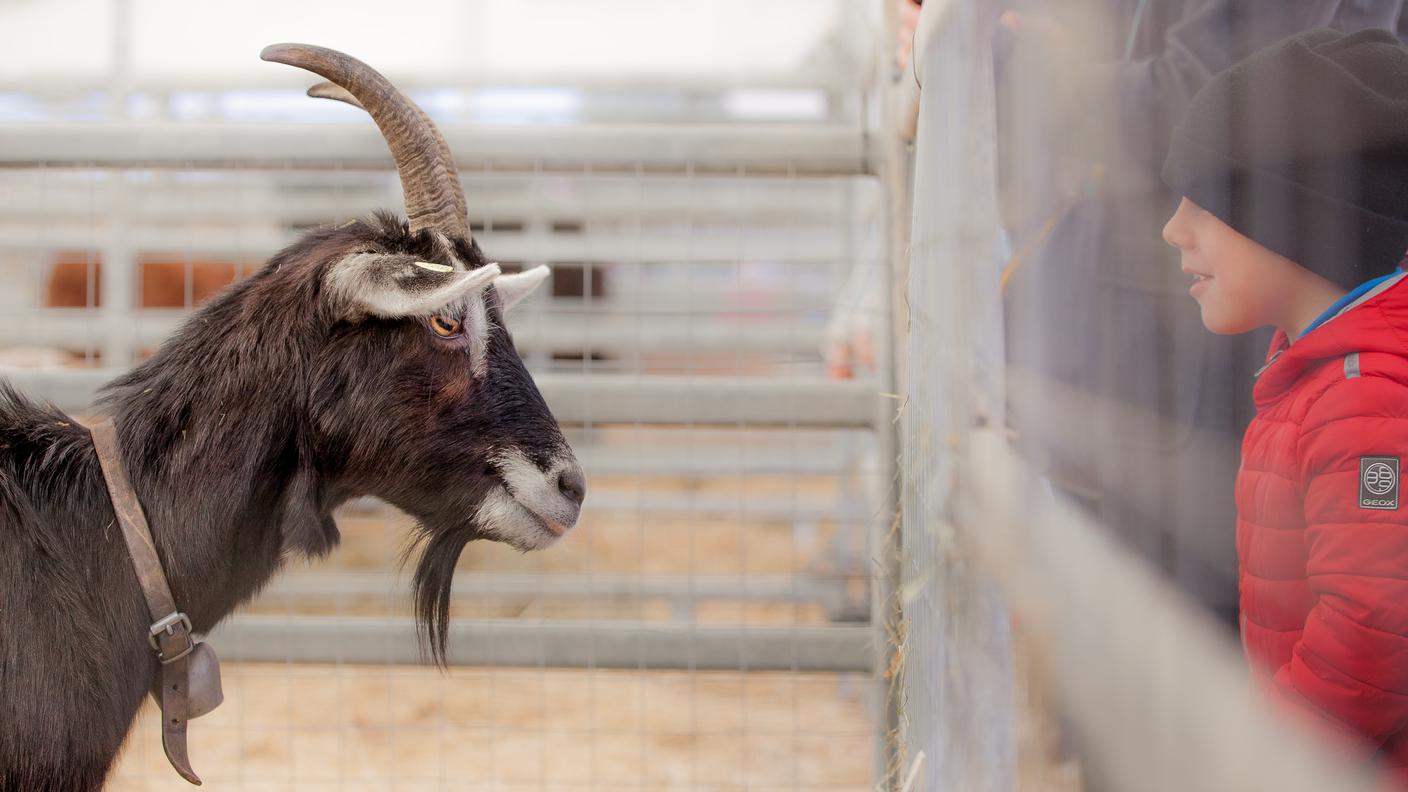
[{"x": 1352, "y": 297}]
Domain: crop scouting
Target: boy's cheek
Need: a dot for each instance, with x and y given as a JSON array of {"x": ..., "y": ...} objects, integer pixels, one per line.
[
  {"x": 1220, "y": 321},
  {"x": 1223, "y": 313},
  {"x": 1215, "y": 311},
  {"x": 1212, "y": 318}
]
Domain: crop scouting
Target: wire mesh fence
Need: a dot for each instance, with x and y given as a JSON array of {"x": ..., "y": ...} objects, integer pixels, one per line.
[
  {"x": 709, "y": 623},
  {"x": 1038, "y": 646}
]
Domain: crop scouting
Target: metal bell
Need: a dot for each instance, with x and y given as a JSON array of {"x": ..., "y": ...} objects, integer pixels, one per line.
[{"x": 202, "y": 682}]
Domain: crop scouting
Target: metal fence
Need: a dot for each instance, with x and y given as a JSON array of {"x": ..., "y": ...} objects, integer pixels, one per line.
[
  {"x": 713, "y": 621},
  {"x": 1033, "y": 652}
]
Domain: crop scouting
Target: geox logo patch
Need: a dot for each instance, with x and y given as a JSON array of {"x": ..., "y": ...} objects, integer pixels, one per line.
[{"x": 1378, "y": 483}]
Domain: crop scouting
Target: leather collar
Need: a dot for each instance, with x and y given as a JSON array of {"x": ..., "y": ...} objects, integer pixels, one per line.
[{"x": 170, "y": 631}]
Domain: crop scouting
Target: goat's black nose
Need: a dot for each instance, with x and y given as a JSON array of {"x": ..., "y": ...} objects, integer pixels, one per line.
[{"x": 572, "y": 484}]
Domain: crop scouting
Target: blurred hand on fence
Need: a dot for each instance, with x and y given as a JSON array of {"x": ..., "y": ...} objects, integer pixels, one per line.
[
  {"x": 908, "y": 13},
  {"x": 1035, "y": 53},
  {"x": 851, "y": 330},
  {"x": 1036, "y": 82},
  {"x": 1028, "y": 24}
]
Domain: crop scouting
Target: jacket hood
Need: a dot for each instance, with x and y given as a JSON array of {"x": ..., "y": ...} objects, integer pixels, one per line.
[{"x": 1377, "y": 322}]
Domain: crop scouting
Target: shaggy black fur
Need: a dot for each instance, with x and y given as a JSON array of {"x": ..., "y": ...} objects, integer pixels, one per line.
[{"x": 252, "y": 423}]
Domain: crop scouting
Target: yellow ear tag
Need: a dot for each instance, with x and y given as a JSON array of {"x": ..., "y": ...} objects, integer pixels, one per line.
[{"x": 433, "y": 267}]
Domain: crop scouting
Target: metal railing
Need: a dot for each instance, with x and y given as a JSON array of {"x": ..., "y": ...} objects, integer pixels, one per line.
[
  {"x": 744, "y": 437},
  {"x": 999, "y": 573}
]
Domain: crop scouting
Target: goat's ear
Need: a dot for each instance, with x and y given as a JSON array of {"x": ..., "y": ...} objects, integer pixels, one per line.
[
  {"x": 513, "y": 288},
  {"x": 392, "y": 286}
]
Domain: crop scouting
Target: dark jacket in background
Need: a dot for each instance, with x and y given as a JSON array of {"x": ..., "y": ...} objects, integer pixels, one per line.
[{"x": 1115, "y": 388}]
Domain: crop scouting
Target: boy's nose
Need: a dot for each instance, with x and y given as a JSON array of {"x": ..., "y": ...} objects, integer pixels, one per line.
[
  {"x": 1169, "y": 231},
  {"x": 1176, "y": 229}
]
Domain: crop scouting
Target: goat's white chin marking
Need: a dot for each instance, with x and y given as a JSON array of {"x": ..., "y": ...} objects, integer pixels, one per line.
[{"x": 502, "y": 518}]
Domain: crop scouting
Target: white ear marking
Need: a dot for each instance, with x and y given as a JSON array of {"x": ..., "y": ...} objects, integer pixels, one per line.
[
  {"x": 513, "y": 288},
  {"x": 389, "y": 287}
]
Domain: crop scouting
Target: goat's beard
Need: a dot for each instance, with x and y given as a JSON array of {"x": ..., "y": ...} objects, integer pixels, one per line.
[
  {"x": 431, "y": 586},
  {"x": 441, "y": 548},
  {"x": 498, "y": 517}
]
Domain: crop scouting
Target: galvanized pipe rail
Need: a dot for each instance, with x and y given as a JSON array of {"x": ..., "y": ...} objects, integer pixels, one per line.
[
  {"x": 798, "y": 150},
  {"x": 300, "y": 197},
  {"x": 262, "y": 239},
  {"x": 83, "y": 328},
  {"x": 682, "y": 591},
  {"x": 548, "y": 643},
  {"x": 600, "y": 400}
]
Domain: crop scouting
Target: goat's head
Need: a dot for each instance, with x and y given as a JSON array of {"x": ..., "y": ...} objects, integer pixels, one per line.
[
  {"x": 418, "y": 389},
  {"x": 417, "y": 394}
]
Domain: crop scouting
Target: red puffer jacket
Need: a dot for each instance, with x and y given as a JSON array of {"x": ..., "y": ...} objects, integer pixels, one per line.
[{"x": 1322, "y": 526}]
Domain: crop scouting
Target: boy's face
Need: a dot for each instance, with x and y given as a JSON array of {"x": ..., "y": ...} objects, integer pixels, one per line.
[{"x": 1239, "y": 284}]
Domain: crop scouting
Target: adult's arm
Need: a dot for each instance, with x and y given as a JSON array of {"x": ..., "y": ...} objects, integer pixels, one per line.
[{"x": 1148, "y": 96}]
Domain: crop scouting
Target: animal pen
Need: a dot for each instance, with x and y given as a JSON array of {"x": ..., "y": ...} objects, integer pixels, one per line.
[
  {"x": 713, "y": 622},
  {"x": 781, "y": 581}
]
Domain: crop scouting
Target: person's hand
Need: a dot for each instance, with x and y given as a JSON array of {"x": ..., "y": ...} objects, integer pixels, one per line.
[
  {"x": 1035, "y": 27},
  {"x": 850, "y": 349},
  {"x": 908, "y": 13},
  {"x": 1031, "y": 46},
  {"x": 851, "y": 331},
  {"x": 1038, "y": 116}
]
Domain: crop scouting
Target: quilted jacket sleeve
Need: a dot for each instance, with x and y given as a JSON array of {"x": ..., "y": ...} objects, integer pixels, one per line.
[{"x": 1350, "y": 669}]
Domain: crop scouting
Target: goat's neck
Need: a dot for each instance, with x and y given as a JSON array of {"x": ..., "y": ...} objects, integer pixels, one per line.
[
  {"x": 210, "y": 440},
  {"x": 213, "y": 508}
]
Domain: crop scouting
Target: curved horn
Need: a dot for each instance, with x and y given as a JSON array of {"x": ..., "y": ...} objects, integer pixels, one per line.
[
  {"x": 428, "y": 178},
  {"x": 331, "y": 90}
]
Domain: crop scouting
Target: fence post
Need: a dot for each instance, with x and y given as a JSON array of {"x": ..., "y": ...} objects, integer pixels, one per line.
[{"x": 957, "y": 703}]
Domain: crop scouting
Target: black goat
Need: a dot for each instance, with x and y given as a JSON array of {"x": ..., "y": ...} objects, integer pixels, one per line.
[{"x": 366, "y": 359}]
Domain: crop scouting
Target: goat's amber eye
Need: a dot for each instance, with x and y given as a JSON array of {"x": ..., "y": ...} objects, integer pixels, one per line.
[{"x": 445, "y": 327}]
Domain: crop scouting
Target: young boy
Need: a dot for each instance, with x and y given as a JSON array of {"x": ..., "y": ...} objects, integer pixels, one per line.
[{"x": 1293, "y": 167}]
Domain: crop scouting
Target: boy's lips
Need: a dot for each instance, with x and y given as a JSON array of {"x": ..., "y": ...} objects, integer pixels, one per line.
[{"x": 1200, "y": 280}]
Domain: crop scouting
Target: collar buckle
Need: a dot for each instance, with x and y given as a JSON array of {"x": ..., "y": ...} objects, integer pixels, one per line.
[{"x": 170, "y": 637}]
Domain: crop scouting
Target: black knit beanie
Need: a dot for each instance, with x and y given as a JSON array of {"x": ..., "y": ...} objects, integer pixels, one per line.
[{"x": 1303, "y": 147}]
